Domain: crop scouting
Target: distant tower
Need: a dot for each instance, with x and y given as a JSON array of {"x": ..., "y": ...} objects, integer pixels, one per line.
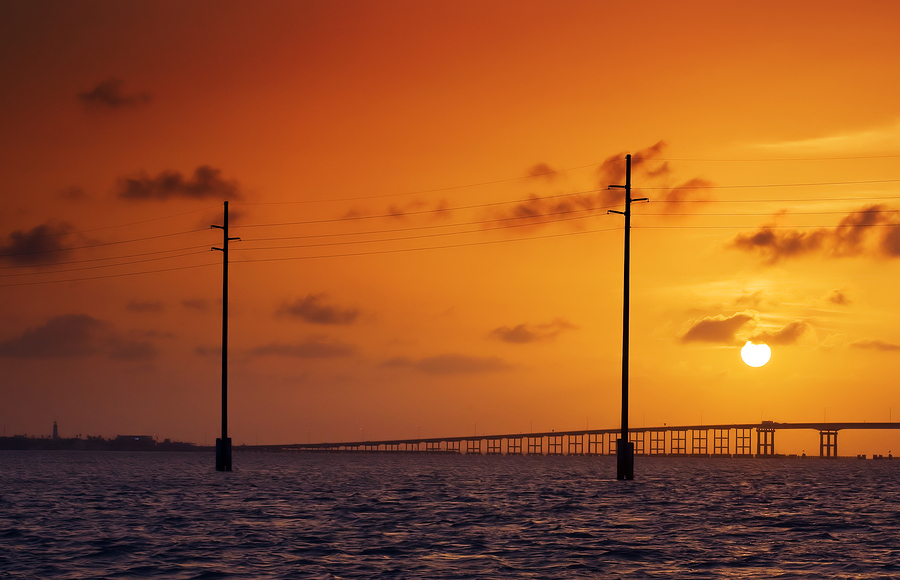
[{"x": 55, "y": 432}]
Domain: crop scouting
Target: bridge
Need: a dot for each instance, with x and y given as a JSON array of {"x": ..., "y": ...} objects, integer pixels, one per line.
[{"x": 733, "y": 440}]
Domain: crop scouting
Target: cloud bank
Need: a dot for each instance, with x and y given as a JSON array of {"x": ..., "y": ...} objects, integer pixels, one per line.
[
  {"x": 76, "y": 335},
  {"x": 873, "y": 230}
]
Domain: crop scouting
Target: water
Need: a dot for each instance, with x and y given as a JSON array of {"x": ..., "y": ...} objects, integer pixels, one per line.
[{"x": 158, "y": 515}]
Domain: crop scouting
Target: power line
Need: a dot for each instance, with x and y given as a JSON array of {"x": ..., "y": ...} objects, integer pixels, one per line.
[
  {"x": 773, "y": 226},
  {"x": 769, "y": 185},
  {"x": 432, "y": 190},
  {"x": 100, "y": 244},
  {"x": 100, "y": 266},
  {"x": 73, "y": 232},
  {"x": 106, "y": 276},
  {"x": 528, "y": 221},
  {"x": 425, "y": 248},
  {"x": 420, "y": 212},
  {"x": 754, "y": 159},
  {"x": 54, "y": 264}
]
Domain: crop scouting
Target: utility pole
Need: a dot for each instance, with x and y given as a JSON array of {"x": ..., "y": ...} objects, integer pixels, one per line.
[
  {"x": 223, "y": 444},
  {"x": 624, "y": 448}
]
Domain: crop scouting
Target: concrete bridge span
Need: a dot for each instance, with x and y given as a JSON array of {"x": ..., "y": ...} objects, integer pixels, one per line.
[{"x": 723, "y": 440}]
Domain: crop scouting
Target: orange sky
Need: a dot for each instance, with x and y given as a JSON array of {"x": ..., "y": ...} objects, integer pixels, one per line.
[{"x": 474, "y": 141}]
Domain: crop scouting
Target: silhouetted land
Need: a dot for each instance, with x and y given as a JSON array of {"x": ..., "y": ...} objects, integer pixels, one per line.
[{"x": 94, "y": 443}]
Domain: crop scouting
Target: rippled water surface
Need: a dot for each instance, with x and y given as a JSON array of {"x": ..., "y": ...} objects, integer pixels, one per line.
[{"x": 156, "y": 515}]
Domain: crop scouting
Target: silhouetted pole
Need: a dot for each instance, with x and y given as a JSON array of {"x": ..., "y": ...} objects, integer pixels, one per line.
[
  {"x": 624, "y": 448},
  {"x": 223, "y": 444}
]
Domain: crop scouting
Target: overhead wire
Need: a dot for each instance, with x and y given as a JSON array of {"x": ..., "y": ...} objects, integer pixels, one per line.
[
  {"x": 535, "y": 220},
  {"x": 99, "y": 266},
  {"x": 419, "y": 249},
  {"x": 86, "y": 260},
  {"x": 97, "y": 229}
]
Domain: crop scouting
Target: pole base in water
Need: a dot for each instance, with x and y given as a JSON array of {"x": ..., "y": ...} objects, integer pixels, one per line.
[
  {"x": 223, "y": 454},
  {"x": 624, "y": 460}
]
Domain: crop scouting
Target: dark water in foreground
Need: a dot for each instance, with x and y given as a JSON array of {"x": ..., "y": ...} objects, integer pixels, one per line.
[{"x": 154, "y": 515}]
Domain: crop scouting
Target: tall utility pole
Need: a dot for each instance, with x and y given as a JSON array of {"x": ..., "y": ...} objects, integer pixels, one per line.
[
  {"x": 223, "y": 444},
  {"x": 624, "y": 448}
]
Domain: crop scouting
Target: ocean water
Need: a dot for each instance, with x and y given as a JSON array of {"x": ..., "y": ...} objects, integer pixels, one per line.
[{"x": 161, "y": 515}]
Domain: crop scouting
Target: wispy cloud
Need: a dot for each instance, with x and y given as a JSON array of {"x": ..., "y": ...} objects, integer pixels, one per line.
[
  {"x": 315, "y": 347},
  {"x": 450, "y": 364},
  {"x": 528, "y": 333},
  {"x": 874, "y": 344},
  {"x": 314, "y": 310},
  {"x": 846, "y": 142},
  {"x": 144, "y": 307},
  {"x": 206, "y": 183},
  {"x": 76, "y": 335},
  {"x": 41, "y": 244},
  {"x": 201, "y": 304},
  {"x": 787, "y": 335},
  {"x": 542, "y": 170},
  {"x": 109, "y": 94}
]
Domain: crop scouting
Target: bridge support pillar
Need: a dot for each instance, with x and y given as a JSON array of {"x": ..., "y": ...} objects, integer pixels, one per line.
[
  {"x": 595, "y": 444},
  {"x": 765, "y": 442},
  {"x": 827, "y": 443}
]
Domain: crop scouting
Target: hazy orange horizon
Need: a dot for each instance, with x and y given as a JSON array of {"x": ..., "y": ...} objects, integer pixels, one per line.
[{"x": 420, "y": 193}]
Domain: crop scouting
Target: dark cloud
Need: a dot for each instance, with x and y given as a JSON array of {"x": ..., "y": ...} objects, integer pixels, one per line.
[
  {"x": 201, "y": 304},
  {"x": 313, "y": 309},
  {"x": 542, "y": 170},
  {"x": 73, "y": 193},
  {"x": 312, "y": 348},
  {"x": 874, "y": 344},
  {"x": 785, "y": 336},
  {"x": 838, "y": 297},
  {"x": 40, "y": 245},
  {"x": 693, "y": 190},
  {"x": 208, "y": 351},
  {"x": 719, "y": 329},
  {"x": 435, "y": 210},
  {"x": 526, "y": 333},
  {"x": 108, "y": 94},
  {"x": 206, "y": 183},
  {"x": 645, "y": 167},
  {"x": 873, "y": 230},
  {"x": 134, "y": 306},
  {"x": 450, "y": 364},
  {"x": 76, "y": 335}
]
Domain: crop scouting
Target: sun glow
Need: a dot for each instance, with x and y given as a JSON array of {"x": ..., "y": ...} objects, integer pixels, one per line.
[{"x": 756, "y": 355}]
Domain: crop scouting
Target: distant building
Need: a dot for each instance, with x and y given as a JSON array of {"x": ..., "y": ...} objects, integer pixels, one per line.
[{"x": 55, "y": 432}]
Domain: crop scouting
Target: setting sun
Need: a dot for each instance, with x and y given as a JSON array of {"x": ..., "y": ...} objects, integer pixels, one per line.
[{"x": 756, "y": 355}]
